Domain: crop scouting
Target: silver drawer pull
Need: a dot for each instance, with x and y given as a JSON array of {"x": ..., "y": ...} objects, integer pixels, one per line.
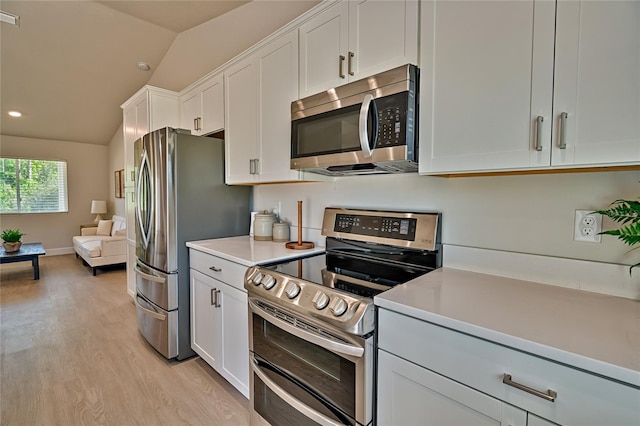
[
  {"x": 549, "y": 395},
  {"x": 214, "y": 269}
]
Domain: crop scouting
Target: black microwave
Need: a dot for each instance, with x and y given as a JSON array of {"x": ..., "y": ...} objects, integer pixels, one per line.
[{"x": 363, "y": 127}]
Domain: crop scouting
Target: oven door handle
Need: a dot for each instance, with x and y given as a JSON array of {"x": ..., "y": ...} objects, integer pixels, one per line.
[
  {"x": 341, "y": 348},
  {"x": 295, "y": 403}
]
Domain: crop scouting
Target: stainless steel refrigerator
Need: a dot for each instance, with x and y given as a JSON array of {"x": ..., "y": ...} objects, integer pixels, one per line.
[{"x": 180, "y": 196}]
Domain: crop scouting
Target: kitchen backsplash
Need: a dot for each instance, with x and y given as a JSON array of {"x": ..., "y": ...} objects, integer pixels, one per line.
[{"x": 532, "y": 214}]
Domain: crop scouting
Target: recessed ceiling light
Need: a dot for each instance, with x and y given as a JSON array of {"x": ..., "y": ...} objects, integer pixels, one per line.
[
  {"x": 9, "y": 18},
  {"x": 143, "y": 66},
  {"x": 15, "y": 113}
]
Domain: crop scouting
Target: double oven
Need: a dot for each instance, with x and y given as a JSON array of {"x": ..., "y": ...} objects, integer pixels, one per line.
[{"x": 312, "y": 320}]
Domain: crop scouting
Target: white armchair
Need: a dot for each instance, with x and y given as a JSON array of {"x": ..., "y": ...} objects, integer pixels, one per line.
[{"x": 105, "y": 244}]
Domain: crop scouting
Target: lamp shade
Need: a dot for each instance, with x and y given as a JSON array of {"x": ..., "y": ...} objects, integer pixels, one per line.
[{"x": 98, "y": 207}]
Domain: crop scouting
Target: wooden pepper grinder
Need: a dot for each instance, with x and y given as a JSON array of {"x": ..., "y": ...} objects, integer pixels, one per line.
[{"x": 299, "y": 245}]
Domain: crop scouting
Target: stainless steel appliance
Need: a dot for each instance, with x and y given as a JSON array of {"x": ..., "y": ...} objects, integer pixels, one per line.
[
  {"x": 364, "y": 127},
  {"x": 312, "y": 320},
  {"x": 180, "y": 196}
]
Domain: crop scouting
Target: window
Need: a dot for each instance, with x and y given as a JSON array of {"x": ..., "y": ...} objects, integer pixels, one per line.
[{"x": 33, "y": 186}]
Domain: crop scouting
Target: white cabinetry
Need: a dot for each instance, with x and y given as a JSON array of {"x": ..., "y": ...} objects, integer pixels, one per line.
[
  {"x": 412, "y": 395},
  {"x": 490, "y": 99},
  {"x": 148, "y": 109},
  {"x": 202, "y": 108},
  {"x": 219, "y": 318},
  {"x": 354, "y": 39},
  {"x": 459, "y": 365},
  {"x": 258, "y": 94}
]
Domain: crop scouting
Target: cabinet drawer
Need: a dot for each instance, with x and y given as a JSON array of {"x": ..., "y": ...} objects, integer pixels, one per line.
[
  {"x": 221, "y": 269},
  {"x": 582, "y": 398}
]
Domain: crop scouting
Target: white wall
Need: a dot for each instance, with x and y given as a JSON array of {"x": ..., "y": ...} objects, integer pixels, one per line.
[
  {"x": 527, "y": 214},
  {"x": 116, "y": 162},
  {"x": 87, "y": 169}
]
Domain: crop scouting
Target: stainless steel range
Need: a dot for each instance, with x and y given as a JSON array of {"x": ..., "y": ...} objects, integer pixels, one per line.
[{"x": 312, "y": 320}]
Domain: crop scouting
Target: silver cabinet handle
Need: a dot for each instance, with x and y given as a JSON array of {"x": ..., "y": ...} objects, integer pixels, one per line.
[
  {"x": 539, "y": 121},
  {"x": 199, "y": 123},
  {"x": 252, "y": 167},
  {"x": 562, "y": 143},
  {"x": 215, "y": 269},
  {"x": 549, "y": 395},
  {"x": 133, "y": 175},
  {"x": 350, "y": 64},
  {"x": 340, "y": 66},
  {"x": 215, "y": 302},
  {"x": 195, "y": 123}
]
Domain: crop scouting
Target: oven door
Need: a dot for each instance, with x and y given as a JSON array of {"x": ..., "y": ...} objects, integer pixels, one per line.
[{"x": 299, "y": 377}]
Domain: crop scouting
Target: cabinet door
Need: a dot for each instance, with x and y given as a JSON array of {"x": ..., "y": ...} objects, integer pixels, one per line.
[
  {"x": 241, "y": 129},
  {"x": 486, "y": 77},
  {"x": 533, "y": 420},
  {"x": 190, "y": 112},
  {"x": 129, "y": 124},
  {"x": 212, "y": 105},
  {"x": 278, "y": 82},
  {"x": 411, "y": 395},
  {"x": 142, "y": 116},
  {"x": 323, "y": 42},
  {"x": 235, "y": 337},
  {"x": 206, "y": 318},
  {"x": 597, "y": 83},
  {"x": 382, "y": 35}
]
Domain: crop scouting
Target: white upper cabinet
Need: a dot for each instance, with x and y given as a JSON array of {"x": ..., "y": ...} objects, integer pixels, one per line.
[
  {"x": 486, "y": 77},
  {"x": 258, "y": 95},
  {"x": 202, "y": 108},
  {"x": 597, "y": 83},
  {"x": 354, "y": 39},
  {"x": 491, "y": 99}
]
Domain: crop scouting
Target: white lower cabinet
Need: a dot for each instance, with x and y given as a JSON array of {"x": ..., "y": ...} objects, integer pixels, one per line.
[
  {"x": 412, "y": 395},
  {"x": 219, "y": 318},
  {"x": 426, "y": 371}
]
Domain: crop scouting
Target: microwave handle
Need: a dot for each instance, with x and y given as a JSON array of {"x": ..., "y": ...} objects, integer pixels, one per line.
[{"x": 367, "y": 142}]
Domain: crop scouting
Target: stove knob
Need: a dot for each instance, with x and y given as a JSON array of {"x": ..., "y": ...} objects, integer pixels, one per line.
[
  {"x": 292, "y": 290},
  {"x": 257, "y": 278},
  {"x": 268, "y": 282},
  {"x": 339, "y": 307},
  {"x": 320, "y": 300}
]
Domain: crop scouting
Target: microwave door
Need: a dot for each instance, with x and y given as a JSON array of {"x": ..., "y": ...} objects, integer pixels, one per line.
[{"x": 368, "y": 125}]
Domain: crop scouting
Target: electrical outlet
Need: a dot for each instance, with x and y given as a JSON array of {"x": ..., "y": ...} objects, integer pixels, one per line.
[{"x": 587, "y": 225}]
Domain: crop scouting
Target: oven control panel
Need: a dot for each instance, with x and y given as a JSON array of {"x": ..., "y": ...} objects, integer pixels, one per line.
[
  {"x": 419, "y": 230},
  {"x": 377, "y": 226}
]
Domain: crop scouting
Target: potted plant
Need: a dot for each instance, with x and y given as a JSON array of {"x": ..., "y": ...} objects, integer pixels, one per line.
[
  {"x": 11, "y": 240},
  {"x": 626, "y": 212}
]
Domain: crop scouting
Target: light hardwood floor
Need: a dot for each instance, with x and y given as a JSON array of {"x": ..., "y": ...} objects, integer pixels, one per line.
[{"x": 71, "y": 354}]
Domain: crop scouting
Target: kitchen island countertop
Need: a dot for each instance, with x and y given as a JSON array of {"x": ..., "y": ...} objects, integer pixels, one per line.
[
  {"x": 248, "y": 252},
  {"x": 594, "y": 332}
]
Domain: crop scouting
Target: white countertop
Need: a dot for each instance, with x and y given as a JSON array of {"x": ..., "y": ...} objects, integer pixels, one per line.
[
  {"x": 248, "y": 252},
  {"x": 591, "y": 331}
]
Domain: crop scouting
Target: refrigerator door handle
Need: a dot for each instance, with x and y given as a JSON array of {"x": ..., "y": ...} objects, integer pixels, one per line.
[
  {"x": 149, "y": 277},
  {"x": 149, "y": 312}
]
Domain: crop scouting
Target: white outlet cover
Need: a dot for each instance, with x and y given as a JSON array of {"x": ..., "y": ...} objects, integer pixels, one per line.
[{"x": 587, "y": 225}]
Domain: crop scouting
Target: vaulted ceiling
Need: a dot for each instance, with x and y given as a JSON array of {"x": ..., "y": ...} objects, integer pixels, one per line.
[{"x": 69, "y": 65}]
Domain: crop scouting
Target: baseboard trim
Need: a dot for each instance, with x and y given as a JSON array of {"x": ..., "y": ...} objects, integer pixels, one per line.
[{"x": 59, "y": 251}]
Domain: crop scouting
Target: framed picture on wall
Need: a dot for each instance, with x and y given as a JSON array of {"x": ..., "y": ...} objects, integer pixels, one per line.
[{"x": 119, "y": 183}]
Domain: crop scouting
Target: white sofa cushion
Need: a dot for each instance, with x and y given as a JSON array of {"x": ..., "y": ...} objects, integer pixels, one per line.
[
  {"x": 119, "y": 225},
  {"x": 104, "y": 227}
]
